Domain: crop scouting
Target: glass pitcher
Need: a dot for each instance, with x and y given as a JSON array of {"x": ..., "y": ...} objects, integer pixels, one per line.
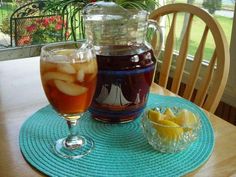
[{"x": 126, "y": 61}]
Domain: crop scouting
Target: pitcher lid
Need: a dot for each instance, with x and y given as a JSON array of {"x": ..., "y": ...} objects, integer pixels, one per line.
[{"x": 101, "y": 8}]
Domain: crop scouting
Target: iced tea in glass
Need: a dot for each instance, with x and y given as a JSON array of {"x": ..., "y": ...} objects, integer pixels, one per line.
[{"x": 69, "y": 74}]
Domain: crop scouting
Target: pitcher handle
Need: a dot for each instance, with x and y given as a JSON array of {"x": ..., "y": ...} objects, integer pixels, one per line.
[{"x": 154, "y": 39}]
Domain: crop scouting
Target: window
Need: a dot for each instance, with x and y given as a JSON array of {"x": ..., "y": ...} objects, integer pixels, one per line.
[{"x": 224, "y": 14}]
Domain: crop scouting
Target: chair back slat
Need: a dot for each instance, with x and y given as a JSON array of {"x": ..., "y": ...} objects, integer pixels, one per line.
[
  {"x": 190, "y": 84},
  {"x": 202, "y": 92},
  {"x": 210, "y": 77},
  {"x": 167, "y": 57},
  {"x": 181, "y": 59}
]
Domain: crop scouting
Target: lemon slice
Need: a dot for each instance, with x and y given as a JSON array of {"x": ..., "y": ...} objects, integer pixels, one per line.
[
  {"x": 168, "y": 130},
  {"x": 169, "y": 114},
  {"x": 186, "y": 119},
  {"x": 70, "y": 88},
  {"x": 58, "y": 76},
  {"x": 155, "y": 115}
]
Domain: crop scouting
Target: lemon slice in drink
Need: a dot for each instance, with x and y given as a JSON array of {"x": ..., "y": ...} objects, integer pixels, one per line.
[
  {"x": 58, "y": 76},
  {"x": 168, "y": 130},
  {"x": 70, "y": 88}
]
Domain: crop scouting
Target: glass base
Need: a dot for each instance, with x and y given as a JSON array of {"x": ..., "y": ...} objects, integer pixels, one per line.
[{"x": 81, "y": 147}]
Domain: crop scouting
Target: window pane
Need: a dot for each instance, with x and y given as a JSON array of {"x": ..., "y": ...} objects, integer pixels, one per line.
[
  {"x": 223, "y": 12},
  {"x": 6, "y": 10}
]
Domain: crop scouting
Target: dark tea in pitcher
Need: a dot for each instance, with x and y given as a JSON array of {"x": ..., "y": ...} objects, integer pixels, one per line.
[
  {"x": 123, "y": 83},
  {"x": 126, "y": 61}
]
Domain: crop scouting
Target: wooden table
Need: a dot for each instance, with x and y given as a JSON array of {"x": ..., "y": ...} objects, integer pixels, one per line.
[{"x": 21, "y": 95}]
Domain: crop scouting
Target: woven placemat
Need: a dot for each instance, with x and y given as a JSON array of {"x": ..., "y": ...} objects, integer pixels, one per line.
[{"x": 120, "y": 149}]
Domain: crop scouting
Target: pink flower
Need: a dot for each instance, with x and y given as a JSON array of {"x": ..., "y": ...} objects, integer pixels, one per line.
[
  {"x": 24, "y": 40},
  {"x": 58, "y": 27},
  {"x": 45, "y": 22},
  {"x": 60, "y": 22},
  {"x": 31, "y": 28}
]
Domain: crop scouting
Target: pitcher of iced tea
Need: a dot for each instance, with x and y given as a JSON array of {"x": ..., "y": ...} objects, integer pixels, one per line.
[{"x": 126, "y": 61}]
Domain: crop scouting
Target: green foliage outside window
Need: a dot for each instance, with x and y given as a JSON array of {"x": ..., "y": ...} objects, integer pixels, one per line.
[{"x": 212, "y": 5}]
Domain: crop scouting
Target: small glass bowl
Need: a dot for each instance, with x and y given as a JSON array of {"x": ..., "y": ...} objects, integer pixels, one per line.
[{"x": 170, "y": 138}]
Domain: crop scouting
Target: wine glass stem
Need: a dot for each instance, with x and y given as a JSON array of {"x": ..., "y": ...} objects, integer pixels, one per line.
[
  {"x": 73, "y": 140},
  {"x": 72, "y": 125}
]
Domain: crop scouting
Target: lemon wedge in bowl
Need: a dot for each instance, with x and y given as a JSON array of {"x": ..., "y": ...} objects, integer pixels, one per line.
[
  {"x": 186, "y": 119},
  {"x": 169, "y": 113},
  {"x": 165, "y": 127},
  {"x": 170, "y": 129},
  {"x": 155, "y": 116}
]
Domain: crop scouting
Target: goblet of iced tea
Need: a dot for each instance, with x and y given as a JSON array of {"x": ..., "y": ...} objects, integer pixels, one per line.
[{"x": 69, "y": 73}]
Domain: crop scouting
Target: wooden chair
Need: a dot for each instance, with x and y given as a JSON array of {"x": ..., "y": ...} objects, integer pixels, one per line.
[{"x": 181, "y": 75}]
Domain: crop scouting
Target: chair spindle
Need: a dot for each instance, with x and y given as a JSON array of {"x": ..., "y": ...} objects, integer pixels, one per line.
[
  {"x": 181, "y": 59},
  {"x": 167, "y": 58},
  {"x": 190, "y": 84},
  {"x": 202, "y": 92}
]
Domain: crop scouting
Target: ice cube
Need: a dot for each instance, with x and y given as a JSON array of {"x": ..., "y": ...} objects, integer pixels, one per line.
[
  {"x": 70, "y": 88},
  {"x": 80, "y": 75},
  {"x": 58, "y": 58},
  {"x": 66, "y": 68},
  {"x": 91, "y": 67},
  {"x": 58, "y": 76},
  {"x": 88, "y": 67},
  {"x": 66, "y": 52}
]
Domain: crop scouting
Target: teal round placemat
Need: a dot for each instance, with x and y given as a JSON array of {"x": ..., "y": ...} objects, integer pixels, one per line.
[{"x": 120, "y": 149}]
